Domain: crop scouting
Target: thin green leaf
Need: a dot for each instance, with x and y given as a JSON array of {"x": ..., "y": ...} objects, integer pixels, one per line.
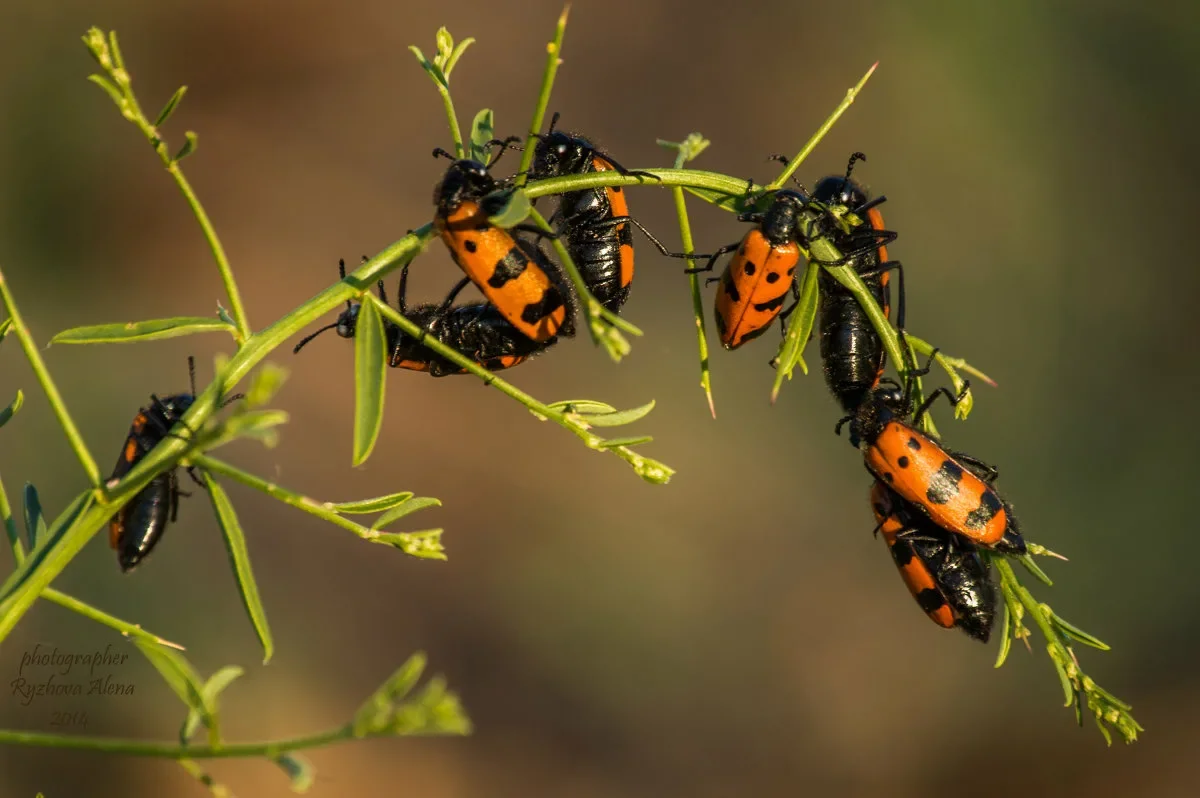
[
  {"x": 404, "y": 508},
  {"x": 459, "y": 49},
  {"x": 1033, "y": 568},
  {"x": 483, "y": 130},
  {"x": 7, "y": 413},
  {"x": 111, "y": 90},
  {"x": 1063, "y": 678},
  {"x": 368, "y": 381},
  {"x": 179, "y": 675},
  {"x": 1005, "y": 638},
  {"x": 375, "y": 505},
  {"x": 1075, "y": 633},
  {"x": 130, "y": 332},
  {"x": 35, "y": 521},
  {"x": 426, "y": 544},
  {"x": 265, "y": 384},
  {"x": 114, "y": 48},
  {"x": 5, "y": 326},
  {"x": 615, "y": 442},
  {"x": 235, "y": 542},
  {"x": 516, "y": 208},
  {"x": 299, "y": 770},
  {"x": 189, "y": 146},
  {"x": 171, "y": 105},
  {"x": 581, "y": 406},
  {"x": 799, "y": 330},
  {"x": 210, "y": 693},
  {"x": 617, "y": 418}
]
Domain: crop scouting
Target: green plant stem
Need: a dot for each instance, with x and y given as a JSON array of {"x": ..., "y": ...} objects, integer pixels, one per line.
[
  {"x": 304, "y": 503},
  {"x": 553, "y": 59},
  {"x": 648, "y": 469},
  {"x": 685, "y": 237},
  {"x": 452, "y": 115},
  {"x": 793, "y": 164},
  {"x": 210, "y": 234},
  {"x": 267, "y": 749},
  {"x": 688, "y": 178},
  {"x": 52, "y": 395}
]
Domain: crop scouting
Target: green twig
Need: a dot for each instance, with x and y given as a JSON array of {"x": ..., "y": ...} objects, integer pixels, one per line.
[
  {"x": 793, "y": 164},
  {"x": 686, "y": 151},
  {"x": 1105, "y": 707},
  {"x": 553, "y": 60},
  {"x": 52, "y": 395},
  {"x": 108, "y": 55}
]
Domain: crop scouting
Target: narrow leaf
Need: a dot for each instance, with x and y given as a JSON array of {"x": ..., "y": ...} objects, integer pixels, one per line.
[
  {"x": 373, "y": 714},
  {"x": 35, "y": 521},
  {"x": 426, "y": 544},
  {"x": 617, "y": 418},
  {"x": 1075, "y": 633},
  {"x": 118, "y": 61},
  {"x": 404, "y": 508},
  {"x": 1005, "y": 637},
  {"x": 612, "y": 443},
  {"x": 459, "y": 49},
  {"x": 581, "y": 406},
  {"x": 299, "y": 771},
  {"x": 1068, "y": 688},
  {"x": 189, "y": 146},
  {"x": 210, "y": 693},
  {"x": 235, "y": 542},
  {"x": 7, "y": 413},
  {"x": 178, "y": 673},
  {"x": 510, "y": 208},
  {"x": 799, "y": 330},
  {"x": 368, "y": 381},
  {"x": 130, "y": 332},
  {"x": 1033, "y": 568},
  {"x": 111, "y": 89},
  {"x": 375, "y": 505},
  {"x": 169, "y": 108},
  {"x": 483, "y": 130},
  {"x": 5, "y": 326}
]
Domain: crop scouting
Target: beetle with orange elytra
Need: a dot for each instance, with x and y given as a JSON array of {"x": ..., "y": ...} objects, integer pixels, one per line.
[
  {"x": 951, "y": 488},
  {"x": 528, "y": 289},
  {"x": 942, "y": 570}
]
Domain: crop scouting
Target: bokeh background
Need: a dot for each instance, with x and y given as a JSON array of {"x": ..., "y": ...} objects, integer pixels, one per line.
[{"x": 737, "y": 631}]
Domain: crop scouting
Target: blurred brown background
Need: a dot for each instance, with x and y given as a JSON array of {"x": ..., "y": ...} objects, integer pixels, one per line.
[{"x": 737, "y": 631}]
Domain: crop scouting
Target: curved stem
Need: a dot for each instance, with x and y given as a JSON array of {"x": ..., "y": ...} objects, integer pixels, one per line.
[
  {"x": 685, "y": 238},
  {"x": 52, "y": 395}
]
